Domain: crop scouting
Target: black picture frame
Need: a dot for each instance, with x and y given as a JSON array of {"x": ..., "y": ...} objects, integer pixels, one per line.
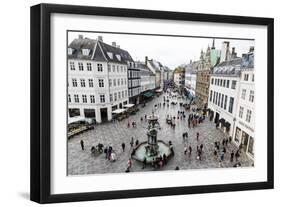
[{"x": 41, "y": 95}]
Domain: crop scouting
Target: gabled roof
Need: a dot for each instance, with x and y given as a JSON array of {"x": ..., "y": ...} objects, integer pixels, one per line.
[
  {"x": 231, "y": 67},
  {"x": 144, "y": 70},
  {"x": 98, "y": 51}
]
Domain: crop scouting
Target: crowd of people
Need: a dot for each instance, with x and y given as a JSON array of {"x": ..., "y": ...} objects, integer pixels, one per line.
[{"x": 193, "y": 119}]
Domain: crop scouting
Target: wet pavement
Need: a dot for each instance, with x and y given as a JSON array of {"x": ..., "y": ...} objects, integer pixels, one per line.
[{"x": 113, "y": 134}]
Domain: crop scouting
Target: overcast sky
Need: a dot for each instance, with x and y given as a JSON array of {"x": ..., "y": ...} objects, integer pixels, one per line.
[{"x": 170, "y": 51}]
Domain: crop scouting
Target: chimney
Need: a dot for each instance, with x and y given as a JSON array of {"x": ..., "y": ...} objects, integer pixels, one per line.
[
  {"x": 252, "y": 48},
  {"x": 146, "y": 58},
  {"x": 233, "y": 50},
  {"x": 114, "y": 44},
  {"x": 100, "y": 38},
  {"x": 80, "y": 36}
]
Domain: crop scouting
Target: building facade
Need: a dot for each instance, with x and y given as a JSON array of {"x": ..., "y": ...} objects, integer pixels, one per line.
[
  {"x": 97, "y": 78},
  {"x": 134, "y": 82},
  {"x": 179, "y": 77},
  {"x": 190, "y": 78},
  {"x": 245, "y": 116},
  {"x": 224, "y": 94},
  {"x": 206, "y": 63}
]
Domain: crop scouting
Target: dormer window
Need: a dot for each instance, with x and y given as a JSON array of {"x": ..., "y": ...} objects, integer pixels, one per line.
[
  {"x": 70, "y": 51},
  {"x": 118, "y": 57},
  {"x": 110, "y": 55},
  {"x": 86, "y": 52}
]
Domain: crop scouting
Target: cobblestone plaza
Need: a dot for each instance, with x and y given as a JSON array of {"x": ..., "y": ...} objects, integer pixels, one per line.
[{"x": 113, "y": 134}]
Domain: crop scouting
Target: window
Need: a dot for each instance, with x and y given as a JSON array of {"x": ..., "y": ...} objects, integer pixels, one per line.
[
  {"x": 251, "y": 146},
  {"x": 91, "y": 83},
  {"x": 126, "y": 93},
  {"x": 110, "y": 97},
  {"x": 121, "y": 69},
  {"x": 76, "y": 98},
  {"x": 122, "y": 81},
  {"x": 72, "y": 66},
  {"x": 118, "y": 82},
  {"x": 122, "y": 94},
  {"x": 114, "y": 82},
  {"x": 233, "y": 84},
  {"x": 212, "y": 81},
  {"x": 99, "y": 67},
  {"x": 82, "y": 83},
  {"x": 74, "y": 82},
  {"x": 216, "y": 98},
  {"x": 92, "y": 98},
  {"x": 253, "y": 78},
  {"x": 231, "y": 102},
  {"x": 246, "y": 77},
  {"x": 241, "y": 109},
  {"x": 84, "y": 98},
  {"x": 211, "y": 95},
  {"x": 115, "y": 96},
  {"x": 74, "y": 112},
  {"x": 109, "y": 68},
  {"x": 102, "y": 98},
  {"x": 224, "y": 83},
  {"x": 248, "y": 115},
  {"x": 220, "y": 82},
  {"x": 119, "y": 95},
  {"x": 89, "y": 66},
  {"x": 225, "y": 102},
  {"x": 117, "y": 68},
  {"x": 251, "y": 97},
  {"x": 243, "y": 95},
  {"x": 113, "y": 68},
  {"x": 69, "y": 98},
  {"x": 219, "y": 99},
  {"x": 227, "y": 83},
  {"x": 125, "y": 81},
  {"x": 101, "y": 83},
  {"x": 110, "y": 82},
  {"x": 80, "y": 66},
  {"x": 222, "y": 98}
]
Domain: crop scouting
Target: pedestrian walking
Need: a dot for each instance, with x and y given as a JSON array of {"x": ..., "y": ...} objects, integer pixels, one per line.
[
  {"x": 123, "y": 146},
  {"x": 197, "y": 136},
  {"x": 82, "y": 144},
  {"x": 185, "y": 150},
  {"x": 137, "y": 142},
  {"x": 132, "y": 142},
  {"x": 226, "y": 142},
  {"x": 237, "y": 155},
  {"x": 144, "y": 163},
  {"x": 231, "y": 156},
  {"x": 189, "y": 150},
  {"x": 129, "y": 164},
  {"x": 222, "y": 156}
]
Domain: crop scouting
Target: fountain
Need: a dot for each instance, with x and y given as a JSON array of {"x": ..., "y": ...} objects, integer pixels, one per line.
[{"x": 152, "y": 148}]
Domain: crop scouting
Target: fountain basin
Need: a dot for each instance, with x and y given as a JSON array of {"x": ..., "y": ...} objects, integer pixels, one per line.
[{"x": 140, "y": 152}]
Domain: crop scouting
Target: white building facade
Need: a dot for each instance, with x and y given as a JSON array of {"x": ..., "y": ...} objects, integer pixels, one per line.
[
  {"x": 224, "y": 94},
  {"x": 97, "y": 79},
  {"x": 245, "y": 122}
]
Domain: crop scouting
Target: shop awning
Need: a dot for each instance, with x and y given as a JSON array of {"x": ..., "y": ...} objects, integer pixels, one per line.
[
  {"x": 227, "y": 125},
  {"x": 71, "y": 120},
  {"x": 148, "y": 94},
  {"x": 128, "y": 105},
  {"x": 118, "y": 111},
  {"x": 222, "y": 121},
  {"x": 159, "y": 90}
]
